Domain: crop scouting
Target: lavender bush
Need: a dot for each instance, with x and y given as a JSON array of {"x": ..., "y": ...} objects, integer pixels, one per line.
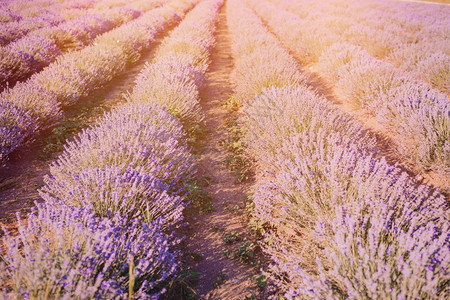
[
  {"x": 69, "y": 252},
  {"x": 180, "y": 66},
  {"x": 175, "y": 90},
  {"x": 372, "y": 231},
  {"x": 419, "y": 115},
  {"x": 338, "y": 55},
  {"x": 279, "y": 113},
  {"x": 77, "y": 73},
  {"x": 364, "y": 82},
  {"x": 16, "y": 126},
  {"x": 145, "y": 136},
  {"x": 131, "y": 192},
  {"x": 25, "y": 57},
  {"x": 380, "y": 256},
  {"x": 435, "y": 69},
  {"x": 261, "y": 61}
]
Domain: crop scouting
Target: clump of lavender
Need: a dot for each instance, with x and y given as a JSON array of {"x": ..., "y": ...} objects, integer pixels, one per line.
[
  {"x": 180, "y": 66},
  {"x": 145, "y": 136},
  {"x": 378, "y": 43},
  {"x": 373, "y": 231},
  {"x": 69, "y": 252},
  {"x": 419, "y": 115},
  {"x": 261, "y": 61},
  {"x": 175, "y": 90},
  {"x": 279, "y": 113},
  {"x": 385, "y": 250},
  {"x": 132, "y": 193},
  {"x": 77, "y": 73},
  {"x": 338, "y": 55},
  {"x": 362, "y": 81},
  {"x": 16, "y": 125},
  {"x": 21, "y": 116},
  {"x": 435, "y": 69}
]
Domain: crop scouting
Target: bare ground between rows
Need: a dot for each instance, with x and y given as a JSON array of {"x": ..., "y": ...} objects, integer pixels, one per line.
[
  {"x": 26, "y": 168},
  {"x": 385, "y": 139},
  {"x": 219, "y": 276}
]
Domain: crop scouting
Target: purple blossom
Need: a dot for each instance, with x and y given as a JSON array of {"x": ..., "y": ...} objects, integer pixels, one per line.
[
  {"x": 78, "y": 73},
  {"x": 68, "y": 252},
  {"x": 343, "y": 222}
]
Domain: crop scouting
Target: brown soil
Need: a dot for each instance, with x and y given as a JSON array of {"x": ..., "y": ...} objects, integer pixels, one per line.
[
  {"x": 207, "y": 229},
  {"x": 26, "y": 168}
]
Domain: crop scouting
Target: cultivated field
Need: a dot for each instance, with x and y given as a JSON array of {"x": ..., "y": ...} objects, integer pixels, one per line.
[{"x": 224, "y": 149}]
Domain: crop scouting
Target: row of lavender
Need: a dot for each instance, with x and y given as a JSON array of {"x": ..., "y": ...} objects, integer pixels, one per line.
[
  {"x": 341, "y": 222},
  {"x": 30, "y": 54},
  {"x": 36, "y": 104},
  {"x": 418, "y": 46},
  {"x": 13, "y": 10},
  {"x": 104, "y": 230},
  {"x": 22, "y": 17},
  {"x": 413, "y": 37},
  {"x": 418, "y": 115}
]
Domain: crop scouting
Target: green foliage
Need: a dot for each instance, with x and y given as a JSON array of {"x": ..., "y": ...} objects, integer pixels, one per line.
[
  {"x": 182, "y": 286},
  {"x": 196, "y": 256},
  {"x": 257, "y": 226},
  {"x": 69, "y": 126},
  {"x": 231, "y": 237},
  {"x": 251, "y": 297},
  {"x": 58, "y": 136},
  {"x": 215, "y": 228},
  {"x": 245, "y": 252},
  {"x": 195, "y": 134},
  {"x": 221, "y": 278},
  {"x": 237, "y": 160},
  {"x": 261, "y": 281},
  {"x": 199, "y": 198}
]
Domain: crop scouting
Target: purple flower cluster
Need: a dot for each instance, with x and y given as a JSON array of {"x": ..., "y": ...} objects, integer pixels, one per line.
[
  {"x": 102, "y": 231},
  {"x": 343, "y": 223},
  {"x": 41, "y": 47},
  {"x": 260, "y": 61},
  {"x": 178, "y": 71},
  {"x": 69, "y": 252},
  {"x": 23, "y": 17},
  {"x": 146, "y": 137},
  {"x": 11, "y": 31},
  {"x": 77, "y": 73},
  {"x": 405, "y": 34},
  {"x": 367, "y": 82},
  {"x": 279, "y": 113}
]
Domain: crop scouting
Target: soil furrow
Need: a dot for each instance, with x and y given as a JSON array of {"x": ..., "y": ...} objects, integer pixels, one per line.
[{"x": 219, "y": 277}]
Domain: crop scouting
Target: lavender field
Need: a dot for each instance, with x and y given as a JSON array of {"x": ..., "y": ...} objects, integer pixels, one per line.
[{"x": 224, "y": 149}]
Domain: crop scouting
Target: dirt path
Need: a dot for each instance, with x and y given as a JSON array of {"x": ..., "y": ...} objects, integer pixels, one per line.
[
  {"x": 25, "y": 171},
  {"x": 219, "y": 277}
]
